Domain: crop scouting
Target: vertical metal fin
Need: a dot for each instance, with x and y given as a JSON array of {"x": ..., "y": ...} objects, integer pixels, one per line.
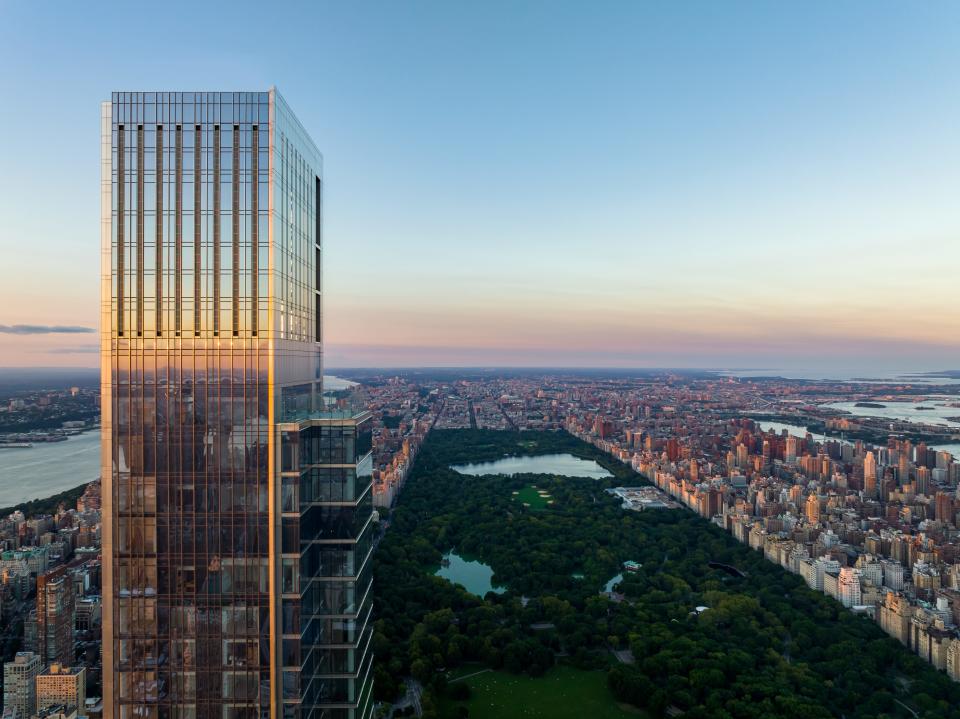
[{"x": 159, "y": 239}]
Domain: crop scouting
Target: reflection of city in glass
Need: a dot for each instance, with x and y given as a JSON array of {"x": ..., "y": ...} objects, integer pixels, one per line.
[{"x": 237, "y": 513}]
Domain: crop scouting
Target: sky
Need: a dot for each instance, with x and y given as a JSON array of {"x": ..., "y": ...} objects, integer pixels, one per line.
[{"x": 697, "y": 184}]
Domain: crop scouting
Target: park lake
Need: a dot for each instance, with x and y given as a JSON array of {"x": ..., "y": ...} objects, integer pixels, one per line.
[
  {"x": 562, "y": 465},
  {"x": 611, "y": 585},
  {"x": 476, "y": 577}
]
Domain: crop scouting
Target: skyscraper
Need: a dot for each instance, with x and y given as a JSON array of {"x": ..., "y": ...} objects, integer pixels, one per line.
[
  {"x": 944, "y": 508},
  {"x": 237, "y": 512},
  {"x": 790, "y": 455},
  {"x": 869, "y": 476},
  {"x": 812, "y": 508},
  {"x": 19, "y": 689},
  {"x": 742, "y": 455},
  {"x": 56, "y": 613}
]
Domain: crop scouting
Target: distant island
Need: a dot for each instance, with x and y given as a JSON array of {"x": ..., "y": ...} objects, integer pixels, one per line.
[
  {"x": 940, "y": 374},
  {"x": 872, "y": 405}
]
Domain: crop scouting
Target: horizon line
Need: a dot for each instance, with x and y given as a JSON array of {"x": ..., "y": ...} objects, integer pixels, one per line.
[{"x": 609, "y": 368}]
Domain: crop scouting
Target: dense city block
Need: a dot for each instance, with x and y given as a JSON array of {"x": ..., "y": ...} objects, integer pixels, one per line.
[{"x": 851, "y": 486}]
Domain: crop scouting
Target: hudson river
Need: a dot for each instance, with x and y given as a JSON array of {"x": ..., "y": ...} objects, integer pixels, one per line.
[
  {"x": 48, "y": 468},
  {"x": 52, "y": 467}
]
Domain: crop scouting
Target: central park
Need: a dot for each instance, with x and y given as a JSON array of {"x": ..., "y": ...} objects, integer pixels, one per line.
[{"x": 676, "y": 636}]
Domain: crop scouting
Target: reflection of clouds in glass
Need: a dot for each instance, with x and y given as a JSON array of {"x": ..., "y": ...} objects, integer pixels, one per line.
[{"x": 44, "y": 329}]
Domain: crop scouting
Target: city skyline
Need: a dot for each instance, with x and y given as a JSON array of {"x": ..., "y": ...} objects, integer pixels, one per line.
[{"x": 752, "y": 186}]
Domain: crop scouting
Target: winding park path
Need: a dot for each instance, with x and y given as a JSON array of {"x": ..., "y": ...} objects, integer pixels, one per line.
[{"x": 467, "y": 676}]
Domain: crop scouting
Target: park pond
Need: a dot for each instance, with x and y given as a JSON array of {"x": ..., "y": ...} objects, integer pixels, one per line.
[
  {"x": 611, "y": 585},
  {"x": 476, "y": 577},
  {"x": 563, "y": 465}
]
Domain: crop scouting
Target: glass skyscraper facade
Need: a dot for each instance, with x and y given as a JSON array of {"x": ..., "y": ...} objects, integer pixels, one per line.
[{"x": 237, "y": 510}]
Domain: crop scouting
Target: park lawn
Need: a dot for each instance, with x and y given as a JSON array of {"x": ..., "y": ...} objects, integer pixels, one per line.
[
  {"x": 529, "y": 495},
  {"x": 561, "y": 693}
]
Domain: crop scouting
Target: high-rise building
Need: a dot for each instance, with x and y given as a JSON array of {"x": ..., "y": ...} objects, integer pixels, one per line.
[
  {"x": 62, "y": 686},
  {"x": 742, "y": 455},
  {"x": 848, "y": 586},
  {"x": 237, "y": 512},
  {"x": 903, "y": 469},
  {"x": 869, "y": 476},
  {"x": 923, "y": 480},
  {"x": 893, "y": 574},
  {"x": 56, "y": 614},
  {"x": 790, "y": 454},
  {"x": 943, "y": 508},
  {"x": 895, "y": 614},
  {"x": 19, "y": 689}
]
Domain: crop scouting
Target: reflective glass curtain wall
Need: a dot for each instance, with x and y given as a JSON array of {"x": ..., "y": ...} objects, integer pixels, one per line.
[
  {"x": 326, "y": 503},
  {"x": 210, "y": 338}
]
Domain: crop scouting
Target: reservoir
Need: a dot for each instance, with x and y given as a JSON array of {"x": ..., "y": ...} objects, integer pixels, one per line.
[
  {"x": 48, "y": 468},
  {"x": 476, "y": 577},
  {"x": 563, "y": 465}
]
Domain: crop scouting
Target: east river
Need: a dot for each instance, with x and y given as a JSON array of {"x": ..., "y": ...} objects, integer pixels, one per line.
[{"x": 798, "y": 431}]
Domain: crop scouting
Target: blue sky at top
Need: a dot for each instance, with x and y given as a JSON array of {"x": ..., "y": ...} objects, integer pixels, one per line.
[{"x": 540, "y": 183}]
